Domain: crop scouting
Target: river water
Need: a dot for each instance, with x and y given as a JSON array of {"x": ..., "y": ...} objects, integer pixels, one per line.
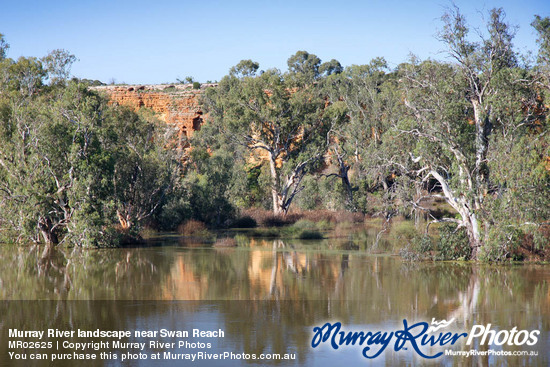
[{"x": 266, "y": 296}]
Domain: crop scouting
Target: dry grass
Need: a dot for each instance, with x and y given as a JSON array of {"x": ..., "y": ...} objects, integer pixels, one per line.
[
  {"x": 266, "y": 218},
  {"x": 225, "y": 242},
  {"x": 192, "y": 228},
  {"x": 148, "y": 233}
]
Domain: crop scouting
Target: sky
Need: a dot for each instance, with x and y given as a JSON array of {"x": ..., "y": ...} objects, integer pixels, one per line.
[{"x": 153, "y": 42}]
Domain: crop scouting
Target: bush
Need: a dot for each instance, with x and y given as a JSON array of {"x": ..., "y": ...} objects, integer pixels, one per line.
[
  {"x": 304, "y": 224},
  {"x": 311, "y": 235},
  {"x": 274, "y": 220},
  {"x": 245, "y": 222},
  {"x": 266, "y": 218},
  {"x": 420, "y": 247},
  {"x": 502, "y": 242},
  {"x": 193, "y": 228},
  {"x": 453, "y": 243},
  {"x": 266, "y": 232},
  {"x": 148, "y": 232},
  {"x": 196, "y": 85},
  {"x": 402, "y": 231}
]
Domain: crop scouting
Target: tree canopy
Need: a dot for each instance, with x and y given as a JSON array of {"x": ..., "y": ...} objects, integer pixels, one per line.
[
  {"x": 71, "y": 166},
  {"x": 461, "y": 140}
]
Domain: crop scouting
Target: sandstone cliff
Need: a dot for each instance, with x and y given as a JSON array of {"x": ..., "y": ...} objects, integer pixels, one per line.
[{"x": 176, "y": 105}]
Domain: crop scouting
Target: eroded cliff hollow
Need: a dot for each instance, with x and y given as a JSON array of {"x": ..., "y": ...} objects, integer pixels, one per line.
[{"x": 176, "y": 105}]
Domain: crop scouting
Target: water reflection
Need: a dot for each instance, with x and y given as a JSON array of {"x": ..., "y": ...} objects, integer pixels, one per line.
[{"x": 267, "y": 294}]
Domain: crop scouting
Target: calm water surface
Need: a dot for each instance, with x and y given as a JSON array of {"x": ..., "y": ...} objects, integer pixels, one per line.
[{"x": 267, "y": 295}]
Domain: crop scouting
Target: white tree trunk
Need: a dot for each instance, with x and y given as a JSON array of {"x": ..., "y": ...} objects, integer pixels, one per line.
[
  {"x": 277, "y": 200},
  {"x": 468, "y": 218}
]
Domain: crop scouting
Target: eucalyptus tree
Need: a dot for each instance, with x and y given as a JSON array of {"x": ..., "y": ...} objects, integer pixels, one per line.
[
  {"x": 333, "y": 85},
  {"x": 24, "y": 76},
  {"x": 245, "y": 68},
  {"x": 332, "y": 67},
  {"x": 459, "y": 114},
  {"x": 69, "y": 162},
  {"x": 365, "y": 96},
  {"x": 144, "y": 171},
  {"x": 275, "y": 116},
  {"x": 58, "y": 65},
  {"x": 46, "y": 147},
  {"x": 303, "y": 67},
  {"x": 542, "y": 26},
  {"x": 4, "y": 46}
]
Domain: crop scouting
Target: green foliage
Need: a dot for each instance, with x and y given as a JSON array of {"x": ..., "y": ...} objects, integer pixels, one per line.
[
  {"x": 273, "y": 114},
  {"x": 330, "y": 67},
  {"x": 4, "y": 46},
  {"x": 302, "y": 224},
  {"x": 274, "y": 220},
  {"x": 502, "y": 243},
  {"x": 206, "y": 186},
  {"x": 73, "y": 168},
  {"x": 244, "y": 222},
  {"x": 91, "y": 83},
  {"x": 321, "y": 193},
  {"x": 361, "y": 98},
  {"x": 453, "y": 243},
  {"x": 244, "y": 68},
  {"x": 304, "y": 67},
  {"x": 48, "y": 185},
  {"x": 420, "y": 247},
  {"x": 472, "y": 132},
  {"x": 144, "y": 172},
  {"x": 24, "y": 77},
  {"x": 403, "y": 231},
  {"x": 310, "y": 235},
  {"x": 251, "y": 186},
  {"x": 58, "y": 65},
  {"x": 542, "y": 26}
]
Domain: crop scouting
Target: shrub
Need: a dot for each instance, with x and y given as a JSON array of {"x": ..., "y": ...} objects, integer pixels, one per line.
[
  {"x": 266, "y": 218},
  {"x": 403, "y": 231},
  {"x": 502, "y": 242},
  {"x": 453, "y": 243},
  {"x": 245, "y": 222},
  {"x": 420, "y": 247},
  {"x": 274, "y": 220},
  {"x": 266, "y": 232},
  {"x": 304, "y": 224},
  {"x": 193, "y": 228},
  {"x": 148, "y": 232},
  {"x": 311, "y": 235}
]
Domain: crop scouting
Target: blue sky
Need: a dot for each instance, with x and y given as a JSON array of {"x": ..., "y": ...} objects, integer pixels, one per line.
[{"x": 160, "y": 41}]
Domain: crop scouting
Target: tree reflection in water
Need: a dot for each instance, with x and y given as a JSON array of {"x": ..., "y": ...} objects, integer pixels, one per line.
[{"x": 266, "y": 295}]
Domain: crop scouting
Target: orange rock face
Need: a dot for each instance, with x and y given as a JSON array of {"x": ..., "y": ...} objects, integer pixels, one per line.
[{"x": 176, "y": 105}]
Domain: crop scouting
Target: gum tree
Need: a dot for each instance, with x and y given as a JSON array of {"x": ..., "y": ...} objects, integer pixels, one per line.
[
  {"x": 364, "y": 94},
  {"x": 460, "y": 113},
  {"x": 275, "y": 116},
  {"x": 69, "y": 162}
]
